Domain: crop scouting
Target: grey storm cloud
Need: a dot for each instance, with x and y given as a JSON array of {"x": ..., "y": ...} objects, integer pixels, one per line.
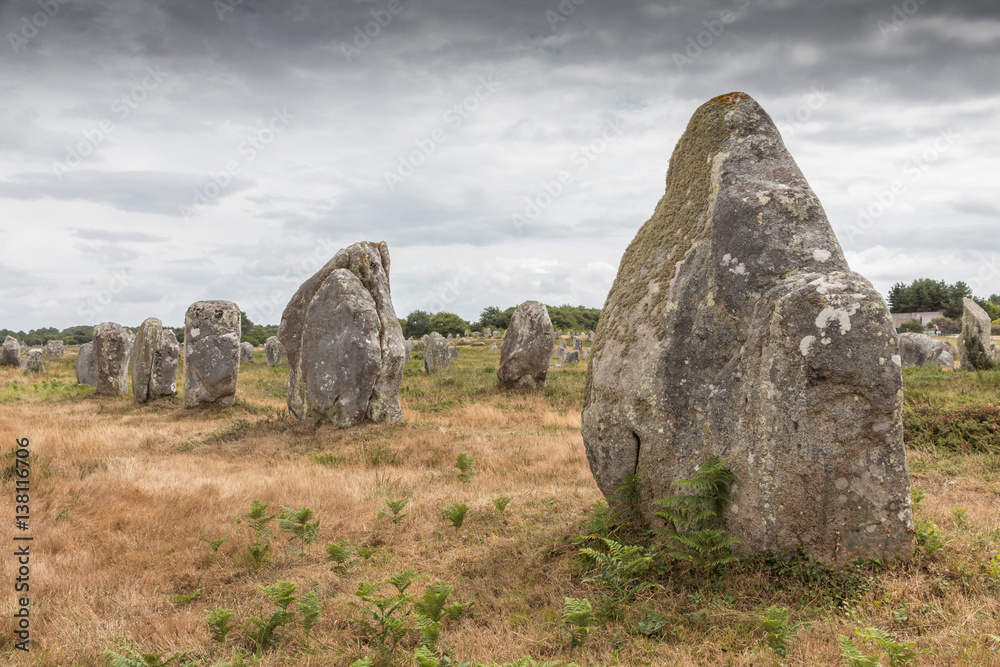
[{"x": 286, "y": 126}]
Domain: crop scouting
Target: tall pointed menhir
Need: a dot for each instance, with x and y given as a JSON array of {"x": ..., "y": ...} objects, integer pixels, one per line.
[{"x": 735, "y": 327}]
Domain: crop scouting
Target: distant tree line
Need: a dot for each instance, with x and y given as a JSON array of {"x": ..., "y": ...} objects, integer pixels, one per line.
[
  {"x": 566, "y": 317},
  {"x": 926, "y": 296}
]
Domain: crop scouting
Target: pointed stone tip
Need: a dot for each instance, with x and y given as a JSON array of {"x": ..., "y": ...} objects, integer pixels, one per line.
[{"x": 729, "y": 99}]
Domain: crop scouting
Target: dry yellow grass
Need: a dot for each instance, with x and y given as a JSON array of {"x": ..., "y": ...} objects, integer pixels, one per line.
[{"x": 122, "y": 493}]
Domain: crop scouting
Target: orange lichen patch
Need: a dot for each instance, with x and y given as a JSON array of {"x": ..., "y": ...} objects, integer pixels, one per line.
[{"x": 729, "y": 98}]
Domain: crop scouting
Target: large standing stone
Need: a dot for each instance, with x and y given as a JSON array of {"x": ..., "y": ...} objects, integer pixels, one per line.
[
  {"x": 154, "y": 361},
  {"x": 735, "y": 328},
  {"x": 86, "y": 366},
  {"x": 274, "y": 351},
  {"x": 54, "y": 348},
  {"x": 922, "y": 350},
  {"x": 976, "y": 349},
  {"x": 246, "y": 352},
  {"x": 33, "y": 362},
  {"x": 345, "y": 344},
  {"x": 10, "y": 353},
  {"x": 211, "y": 352},
  {"x": 439, "y": 353},
  {"x": 527, "y": 348},
  {"x": 112, "y": 346}
]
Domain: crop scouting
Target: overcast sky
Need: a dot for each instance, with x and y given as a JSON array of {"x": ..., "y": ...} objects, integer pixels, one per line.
[{"x": 153, "y": 154}]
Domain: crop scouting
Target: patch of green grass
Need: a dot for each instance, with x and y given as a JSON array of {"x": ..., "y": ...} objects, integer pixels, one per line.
[{"x": 953, "y": 410}]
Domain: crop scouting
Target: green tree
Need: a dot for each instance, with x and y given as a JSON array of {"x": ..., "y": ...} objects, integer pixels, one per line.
[
  {"x": 416, "y": 324},
  {"x": 448, "y": 323},
  {"x": 494, "y": 318}
]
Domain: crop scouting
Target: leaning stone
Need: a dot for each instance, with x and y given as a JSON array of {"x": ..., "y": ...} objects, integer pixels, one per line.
[
  {"x": 211, "y": 353},
  {"x": 10, "y": 353},
  {"x": 54, "y": 348},
  {"x": 922, "y": 350},
  {"x": 86, "y": 367},
  {"x": 345, "y": 344},
  {"x": 246, "y": 352},
  {"x": 33, "y": 362},
  {"x": 112, "y": 347},
  {"x": 439, "y": 353},
  {"x": 976, "y": 349},
  {"x": 274, "y": 351},
  {"x": 735, "y": 328}
]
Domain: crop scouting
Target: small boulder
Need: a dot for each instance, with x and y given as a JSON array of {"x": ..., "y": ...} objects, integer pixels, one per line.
[
  {"x": 246, "y": 352},
  {"x": 439, "y": 353},
  {"x": 494, "y": 348},
  {"x": 10, "y": 353},
  {"x": 274, "y": 351},
  {"x": 527, "y": 348},
  {"x": 86, "y": 367},
  {"x": 922, "y": 350},
  {"x": 211, "y": 352},
  {"x": 33, "y": 362},
  {"x": 572, "y": 357},
  {"x": 54, "y": 348},
  {"x": 112, "y": 347}
]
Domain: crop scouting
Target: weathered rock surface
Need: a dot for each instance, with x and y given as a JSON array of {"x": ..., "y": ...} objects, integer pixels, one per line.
[
  {"x": 112, "y": 347},
  {"x": 976, "y": 349},
  {"x": 585, "y": 354},
  {"x": 922, "y": 350},
  {"x": 345, "y": 345},
  {"x": 571, "y": 357},
  {"x": 246, "y": 352},
  {"x": 153, "y": 364},
  {"x": 735, "y": 328},
  {"x": 33, "y": 362},
  {"x": 527, "y": 348},
  {"x": 10, "y": 353},
  {"x": 494, "y": 348},
  {"x": 439, "y": 353},
  {"x": 274, "y": 351},
  {"x": 211, "y": 352},
  {"x": 578, "y": 343},
  {"x": 86, "y": 367},
  {"x": 54, "y": 348}
]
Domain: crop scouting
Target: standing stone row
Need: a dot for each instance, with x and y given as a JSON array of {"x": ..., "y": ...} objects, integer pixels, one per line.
[{"x": 154, "y": 361}]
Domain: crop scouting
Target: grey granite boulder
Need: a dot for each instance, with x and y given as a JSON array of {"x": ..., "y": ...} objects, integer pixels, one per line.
[
  {"x": 439, "y": 353},
  {"x": 112, "y": 346},
  {"x": 153, "y": 366},
  {"x": 33, "y": 362},
  {"x": 976, "y": 349},
  {"x": 487, "y": 332},
  {"x": 246, "y": 352},
  {"x": 585, "y": 354},
  {"x": 735, "y": 328},
  {"x": 527, "y": 348},
  {"x": 571, "y": 357},
  {"x": 10, "y": 353},
  {"x": 344, "y": 342},
  {"x": 922, "y": 350},
  {"x": 211, "y": 353},
  {"x": 274, "y": 351},
  {"x": 86, "y": 367},
  {"x": 54, "y": 348},
  {"x": 494, "y": 348},
  {"x": 577, "y": 343}
]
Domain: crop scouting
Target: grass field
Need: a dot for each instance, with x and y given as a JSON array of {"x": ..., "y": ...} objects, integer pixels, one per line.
[{"x": 122, "y": 494}]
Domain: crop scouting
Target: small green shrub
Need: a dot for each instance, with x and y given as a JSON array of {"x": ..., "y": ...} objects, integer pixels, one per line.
[
  {"x": 500, "y": 503},
  {"x": 930, "y": 540},
  {"x": 651, "y": 625},
  {"x": 140, "y": 659},
  {"x": 220, "y": 623},
  {"x": 778, "y": 631},
  {"x": 898, "y": 654},
  {"x": 296, "y": 523},
  {"x": 466, "y": 467},
  {"x": 213, "y": 547},
  {"x": 577, "y": 621},
  {"x": 395, "y": 509},
  {"x": 258, "y": 520},
  {"x": 455, "y": 513}
]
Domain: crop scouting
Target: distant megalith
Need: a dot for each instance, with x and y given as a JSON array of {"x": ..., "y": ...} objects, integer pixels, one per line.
[
  {"x": 54, "y": 348},
  {"x": 10, "y": 353},
  {"x": 577, "y": 343},
  {"x": 917, "y": 350},
  {"x": 439, "y": 353},
  {"x": 86, "y": 366},
  {"x": 527, "y": 348},
  {"x": 246, "y": 352},
  {"x": 112, "y": 346},
  {"x": 345, "y": 345},
  {"x": 274, "y": 351},
  {"x": 154, "y": 361},
  {"x": 976, "y": 349},
  {"x": 735, "y": 328},
  {"x": 571, "y": 357},
  {"x": 211, "y": 352},
  {"x": 33, "y": 362}
]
